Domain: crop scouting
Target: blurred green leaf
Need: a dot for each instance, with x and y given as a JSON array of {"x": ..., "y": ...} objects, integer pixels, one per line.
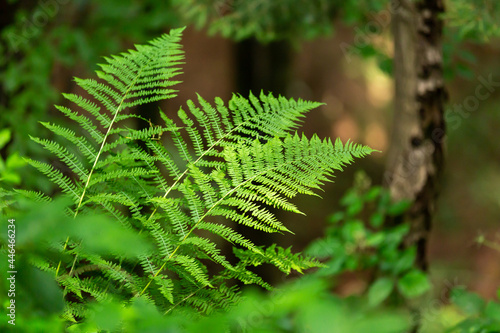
[
  {"x": 413, "y": 284},
  {"x": 9, "y": 176},
  {"x": 355, "y": 207},
  {"x": 379, "y": 291},
  {"x": 385, "y": 200},
  {"x": 99, "y": 235},
  {"x": 493, "y": 311},
  {"x": 337, "y": 217},
  {"x": 399, "y": 207},
  {"x": 47, "y": 223},
  {"x": 396, "y": 234},
  {"x": 354, "y": 230},
  {"x": 42, "y": 224},
  {"x": 108, "y": 315},
  {"x": 373, "y": 193},
  {"x": 4, "y": 137},
  {"x": 349, "y": 198},
  {"x": 406, "y": 260},
  {"x": 470, "y": 303},
  {"x": 375, "y": 239},
  {"x": 377, "y": 219},
  {"x": 15, "y": 161},
  {"x": 40, "y": 288},
  {"x": 381, "y": 322}
]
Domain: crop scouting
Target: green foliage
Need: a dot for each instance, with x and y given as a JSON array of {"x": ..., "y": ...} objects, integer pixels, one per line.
[
  {"x": 131, "y": 233},
  {"x": 273, "y": 20},
  {"x": 9, "y": 173},
  {"x": 353, "y": 245},
  {"x": 303, "y": 305},
  {"x": 480, "y": 315},
  {"x": 264, "y": 20},
  {"x": 475, "y": 20}
]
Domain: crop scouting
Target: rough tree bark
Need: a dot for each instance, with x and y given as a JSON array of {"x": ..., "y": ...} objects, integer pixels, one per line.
[{"x": 416, "y": 157}]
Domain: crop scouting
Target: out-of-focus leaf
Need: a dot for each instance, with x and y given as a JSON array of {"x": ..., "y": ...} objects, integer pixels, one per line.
[
  {"x": 399, "y": 207},
  {"x": 413, "y": 284},
  {"x": 355, "y": 207},
  {"x": 337, "y": 217},
  {"x": 377, "y": 219},
  {"x": 379, "y": 291},
  {"x": 4, "y": 137},
  {"x": 354, "y": 230},
  {"x": 15, "y": 161},
  {"x": 493, "y": 311},
  {"x": 470, "y": 303},
  {"x": 373, "y": 193},
  {"x": 405, "y": 261}
]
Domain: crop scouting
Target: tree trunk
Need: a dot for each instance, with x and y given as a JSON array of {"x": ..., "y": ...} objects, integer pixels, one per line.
[{"x": 416, "y": 157}]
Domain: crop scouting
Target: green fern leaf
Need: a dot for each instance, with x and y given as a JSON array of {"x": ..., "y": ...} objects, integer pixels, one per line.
[{"x": 57, "y": 177}]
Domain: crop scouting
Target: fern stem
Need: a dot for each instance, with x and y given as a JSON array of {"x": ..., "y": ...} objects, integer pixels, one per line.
[
  {"x": 102, "y": 146},
  {"x": 64, "y": 249},
  {"x": 98, "y": 156}
]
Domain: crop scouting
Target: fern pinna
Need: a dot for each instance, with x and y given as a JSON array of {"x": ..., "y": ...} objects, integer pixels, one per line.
[{"x": 179, "y": 185}]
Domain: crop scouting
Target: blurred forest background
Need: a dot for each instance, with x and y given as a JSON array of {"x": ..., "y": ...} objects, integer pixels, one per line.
[{"x": 331, "y": 55}]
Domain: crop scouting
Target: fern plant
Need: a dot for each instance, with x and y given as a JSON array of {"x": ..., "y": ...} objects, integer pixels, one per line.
[{"x": 181, "y": 187}]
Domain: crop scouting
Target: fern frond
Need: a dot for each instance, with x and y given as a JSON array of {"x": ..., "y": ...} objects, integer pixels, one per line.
[
  {"x": 131, "y": 79},
  {"x": 57, "y": 177},
  {"x": 228, "y": 234},
  {"x": 246, "y": 276},
  {"x": 132, "y": 135},
  {"x": 67, "y": 157},
  {"x": 74, "y": 310},
  {"x": 223, "y": 298},
  {"x": 117, "y": 214},
  {"x": 208, "y": 247},
  {"x": 95, "y": 286},
  {"x": 113, "y": 271},
  {"x": 83, "y": 145},
  {"x": 90, "y": 107},
  {"x": 164, "y": 241},
  {"x": 71, "y": 285},
  {"x": 130, "y": 173},
  {"x": 166, "y": 287},
  {"x": 165, "y": 158},
  {"x": 178, "y": 219},
  {"x": 192, "y": 267},
  {"x": 84, "y": 122},
  {"x": 282, "y": 258},
  {"x": 34, "y": 195}
]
